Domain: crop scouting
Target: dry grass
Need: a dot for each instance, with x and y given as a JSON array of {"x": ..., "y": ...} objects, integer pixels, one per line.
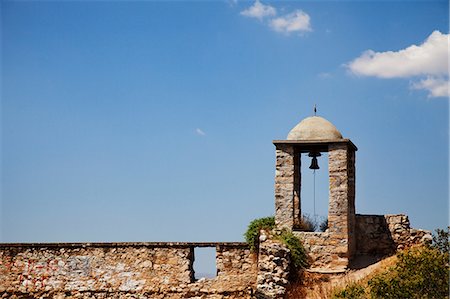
[
  {"x": 310, "y": 285},
  {"x": 320, "y": 286}
]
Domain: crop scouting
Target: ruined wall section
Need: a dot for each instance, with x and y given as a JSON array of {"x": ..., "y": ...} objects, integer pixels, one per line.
[
  {"x": 376, "y": 235},
  {"x": 273, "y": 268},
  {"x": 385, "y": 234},
  {"x": 153, "y": 270},
  {"x": 320, "y": 249},
  {"x": 373, "y": 236}
]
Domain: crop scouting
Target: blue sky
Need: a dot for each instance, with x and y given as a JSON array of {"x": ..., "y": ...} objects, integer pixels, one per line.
[{"x": 154, "y": 121}]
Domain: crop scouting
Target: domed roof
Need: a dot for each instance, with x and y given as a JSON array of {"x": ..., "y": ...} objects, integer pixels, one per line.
[{"x": 314, "y": 128}]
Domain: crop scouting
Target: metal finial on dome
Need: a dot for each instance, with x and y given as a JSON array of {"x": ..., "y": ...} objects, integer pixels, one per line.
[{"x": 315, "y": 110}]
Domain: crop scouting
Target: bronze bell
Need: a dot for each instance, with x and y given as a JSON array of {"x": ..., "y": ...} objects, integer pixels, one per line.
[{"x": 314, "y": 165}]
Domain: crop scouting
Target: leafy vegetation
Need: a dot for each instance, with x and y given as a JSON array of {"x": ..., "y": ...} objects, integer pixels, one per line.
[
  {"x": 352, "y": 291},
  {"x": 420, "y": 272},
  {"x": 298, "y": 253},
  {"x": 252, "y": 233},
  {"x": 441, "y": 240}
]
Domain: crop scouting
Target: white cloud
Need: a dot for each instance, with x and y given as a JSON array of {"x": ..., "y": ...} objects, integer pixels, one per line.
[
  {"x": 324, "y": 75},
  {"x": 297, "y": 21},
  {"x": 429, "y": 59},
  {"x": 259, "y": 11},
  {"x": 232, "y": 2},
  {"x": 437, "y": 86},
  {"x": 200, "y": 132}
]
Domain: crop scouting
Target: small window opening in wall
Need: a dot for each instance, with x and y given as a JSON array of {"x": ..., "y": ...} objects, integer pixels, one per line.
[
  {"x": 205, "y": 262},
  {"x": 315, "y": 191}
]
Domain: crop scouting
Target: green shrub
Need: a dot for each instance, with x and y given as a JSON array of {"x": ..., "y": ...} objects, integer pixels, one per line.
[
  {"x": 252, "y": 233},
  {"x": 299, "y": 257},
  {"x": 420, "y": 272},
  {"x": 352, "y": 291},
  {"x": 441, "y": 240},
  {"x": 298, "y": 253}
]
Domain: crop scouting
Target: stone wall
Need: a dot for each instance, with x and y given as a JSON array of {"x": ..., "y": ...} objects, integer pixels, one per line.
[
  {"x": 384, "y": 234},
  {"x": 341, "y": 209},
  {"x": 105, "y": 270},
  {"x": 273, "y": 268},
  {"x": 287, "y": 188},
  {"x": 375, "y": 235},
  {"x": 321, "y": 250},
  {"x": 165, "y": 270}
]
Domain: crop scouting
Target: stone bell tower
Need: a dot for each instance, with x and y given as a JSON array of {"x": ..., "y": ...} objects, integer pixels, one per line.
[{"x": 309, "y": 138}]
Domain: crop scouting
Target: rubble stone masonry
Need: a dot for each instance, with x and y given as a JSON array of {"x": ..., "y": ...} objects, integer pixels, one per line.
[
  {"x": 376, "y": 235},
  {"x": 385, "y": 234},
  {"x": 273, "y": 268},
  {"x": 123, "y": 270},
  {"x": 286, "y": 173}
]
